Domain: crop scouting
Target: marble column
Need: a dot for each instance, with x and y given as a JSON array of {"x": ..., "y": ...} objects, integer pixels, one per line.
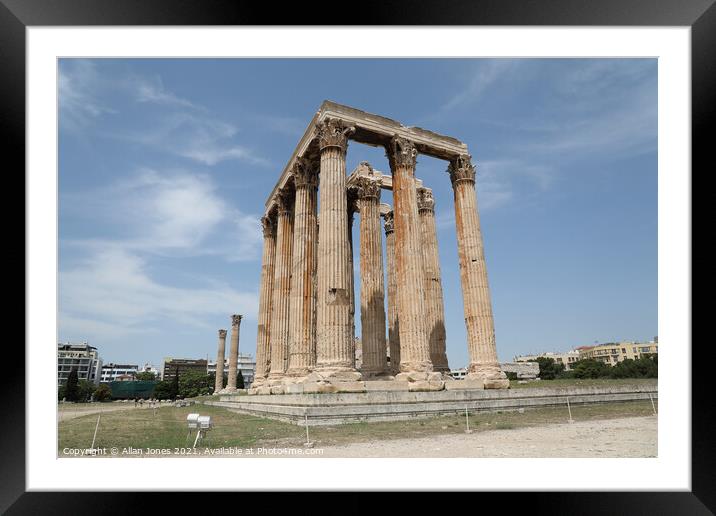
[
  {"x": 393, "y": 327},
  {"x": 281, "y": 287},
  {"x": 233, "y": 353},
  {"x": 415, "y": 361},
  {"x": 434, "y": 306},
  {"x": 351, "y": 203},
  {"x": 372, "y": 292},
  {"x": 263, "y": 350},
  {"x": 220, "y": 355},
  {"x": 301, "y": 344},
  {"x": 334, "y": 340},
  {"x": 484, "y": 365}
]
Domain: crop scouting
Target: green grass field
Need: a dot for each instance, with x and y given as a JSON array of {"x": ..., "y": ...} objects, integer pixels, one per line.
[{"x": 167, "y": 428}]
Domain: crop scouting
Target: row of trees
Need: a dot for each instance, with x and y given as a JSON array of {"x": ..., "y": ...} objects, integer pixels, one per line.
[
  {"x": 190, "y": 384},
  {"x": 187, "y": 385},
  {"x": 83, "y": 390},
  {"x": 645, "y": 367}
]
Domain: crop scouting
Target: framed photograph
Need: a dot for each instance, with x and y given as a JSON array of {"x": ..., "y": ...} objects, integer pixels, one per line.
[{"x": 260, "y": 235}]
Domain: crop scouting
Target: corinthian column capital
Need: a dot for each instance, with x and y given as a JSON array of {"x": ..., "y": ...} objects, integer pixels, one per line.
[
  {"x": 268, "y": 224},
  {"x": 222, "y": 334},
  {"x": 461, "y": 169},
  {"x": 332, "y": 132},
  {"x": 305, "y": 174},
  {"x": 401, "y": 152},
  {"x": 236, "y": 320},
  {"x": 368, "y": 188},
  {"x": 426, "y": 202},
  {"x": 284, "y": 200}
]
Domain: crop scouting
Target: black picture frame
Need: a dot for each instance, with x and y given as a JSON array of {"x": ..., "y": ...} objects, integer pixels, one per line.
[{"x": 16, "y": 15}]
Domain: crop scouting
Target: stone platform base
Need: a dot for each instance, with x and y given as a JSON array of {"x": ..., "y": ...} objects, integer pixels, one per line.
[{"x": 390, "y": 405}]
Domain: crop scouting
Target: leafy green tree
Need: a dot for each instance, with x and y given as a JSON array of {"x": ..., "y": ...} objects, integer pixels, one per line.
[
  {"x": 194, "y": 383},
  {"x": 145, "y": 376},
  {"x": 71, "y": 391},
  {"x": 163, "y": 390},
  {"x": 511, "y": 375},
  {"x": 240, "y": 380},
  {"x": 85, "y": 388},
  {"x": 590, "y": 368},
  {"x": 548, "y": 368},
  {"x": 103, "y": 393}
]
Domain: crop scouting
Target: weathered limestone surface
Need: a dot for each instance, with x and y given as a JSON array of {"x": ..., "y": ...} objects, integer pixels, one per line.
[
  {"x": 263, "y": 336},
  {"x": 335, "y": 357},
  {"x": 302, "y": 345},
  {"x": 393, "y": 323},
  {"x": 415, "y": 361},
  {"x": 233, "y": 353},
  {"x": 281, "y": 289},
  {"x": 473, "y": 275},
  {"x": 434, "y": 306},
  {"x": 220, "y": 355},
  {"x": 372, "y": 292}
]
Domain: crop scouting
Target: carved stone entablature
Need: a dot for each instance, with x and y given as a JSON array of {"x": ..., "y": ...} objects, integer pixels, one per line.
[
  {"x": 401, "y": 152},
  {"x": 222, "y": 334},
  {"x": 461, "y": 169},
  {"x": 305, "y": 174},
  {"x": 236, "y": 319},
  {"x": 426, "y": 202},
  {"x": 284, "y": 200},
  {"x": 333, "y": 133},
  {"x": 388, "y": 222},
  {"x": 368, "y": 188},
  {"x": 269, "y": 226}
]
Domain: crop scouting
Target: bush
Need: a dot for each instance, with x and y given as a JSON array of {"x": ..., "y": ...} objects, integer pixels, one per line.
[
  {"x": 193, "y": 384},
  {"x": 590, "y": 368},
  {"x": 103, "y": 393},
  {"x": 163, "y": 390},
  {"x": 511, "y": 375}
]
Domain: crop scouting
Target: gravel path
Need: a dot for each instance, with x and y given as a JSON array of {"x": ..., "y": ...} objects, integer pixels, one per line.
[{"x": 626, "y": 437}]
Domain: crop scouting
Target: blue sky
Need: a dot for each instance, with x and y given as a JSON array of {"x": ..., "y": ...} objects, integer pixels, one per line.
[{"x": 165, "y": 165}]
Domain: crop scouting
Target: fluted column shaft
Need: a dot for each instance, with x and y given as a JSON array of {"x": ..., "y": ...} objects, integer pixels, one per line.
[
  {"x": 263, "y": 335},
  {"x": 414, "y": 345},
  {"x": 393, "y": 327},
  {"x": 220, "y": 355},
  {"x": 434, "y": 305},
  {"x": 233, "y": 353},
  {"x": 281, "y": 288},
  {"x": 334, "y": 340},
  {"x": 372, "y": 292},
  {"x": 302, "y": 344},
  {"x": 473, "y": 274}
]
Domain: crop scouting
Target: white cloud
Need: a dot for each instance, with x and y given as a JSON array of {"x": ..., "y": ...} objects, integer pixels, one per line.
[
  {"x": 152, "y": 90},
  {"x": 111, "y": 290},
  {"x": 485, "y": 75},
  {"x": 78, "y": 102}
]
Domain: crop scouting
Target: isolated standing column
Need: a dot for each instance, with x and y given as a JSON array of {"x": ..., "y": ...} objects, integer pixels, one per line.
[
  {"x": 372, "y": 292},
  {"x": 233, "y": 353},
  {"x": 220, "y": 355},
  {"x": 393, "y": 328},
  {"x": 334, "y": 341},
  {"x": 414, "y": 347},
  {"x": 484, "y": 364},
  {"x": 280, "y": 303},
  {"x": 263, "y": 351},
  {"x": 434, "y": 306},
  {"x": 302, "y": 344}
]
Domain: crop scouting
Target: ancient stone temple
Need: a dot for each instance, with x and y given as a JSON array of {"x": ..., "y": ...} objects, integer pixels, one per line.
[{"x": 306, "y": 340}]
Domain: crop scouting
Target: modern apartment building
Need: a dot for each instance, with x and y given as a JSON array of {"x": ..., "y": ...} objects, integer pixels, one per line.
[
  {"x": 111, "y": 372},
  {"x": 246, "y": 364},
  {"x": 182, "y": 365},
  {"x": 83, "y": 357},
  {"x": 614, "y": 352}
]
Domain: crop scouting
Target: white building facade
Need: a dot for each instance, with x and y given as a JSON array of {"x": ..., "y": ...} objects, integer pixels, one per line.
[{"x": 82, "y": 357}]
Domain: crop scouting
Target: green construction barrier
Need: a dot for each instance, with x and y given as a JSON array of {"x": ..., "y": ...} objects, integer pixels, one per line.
[{"x": 130, "y": 390}]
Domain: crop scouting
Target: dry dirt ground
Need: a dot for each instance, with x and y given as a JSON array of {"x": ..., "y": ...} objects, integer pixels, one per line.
[{"x": 624, "y": 437}]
